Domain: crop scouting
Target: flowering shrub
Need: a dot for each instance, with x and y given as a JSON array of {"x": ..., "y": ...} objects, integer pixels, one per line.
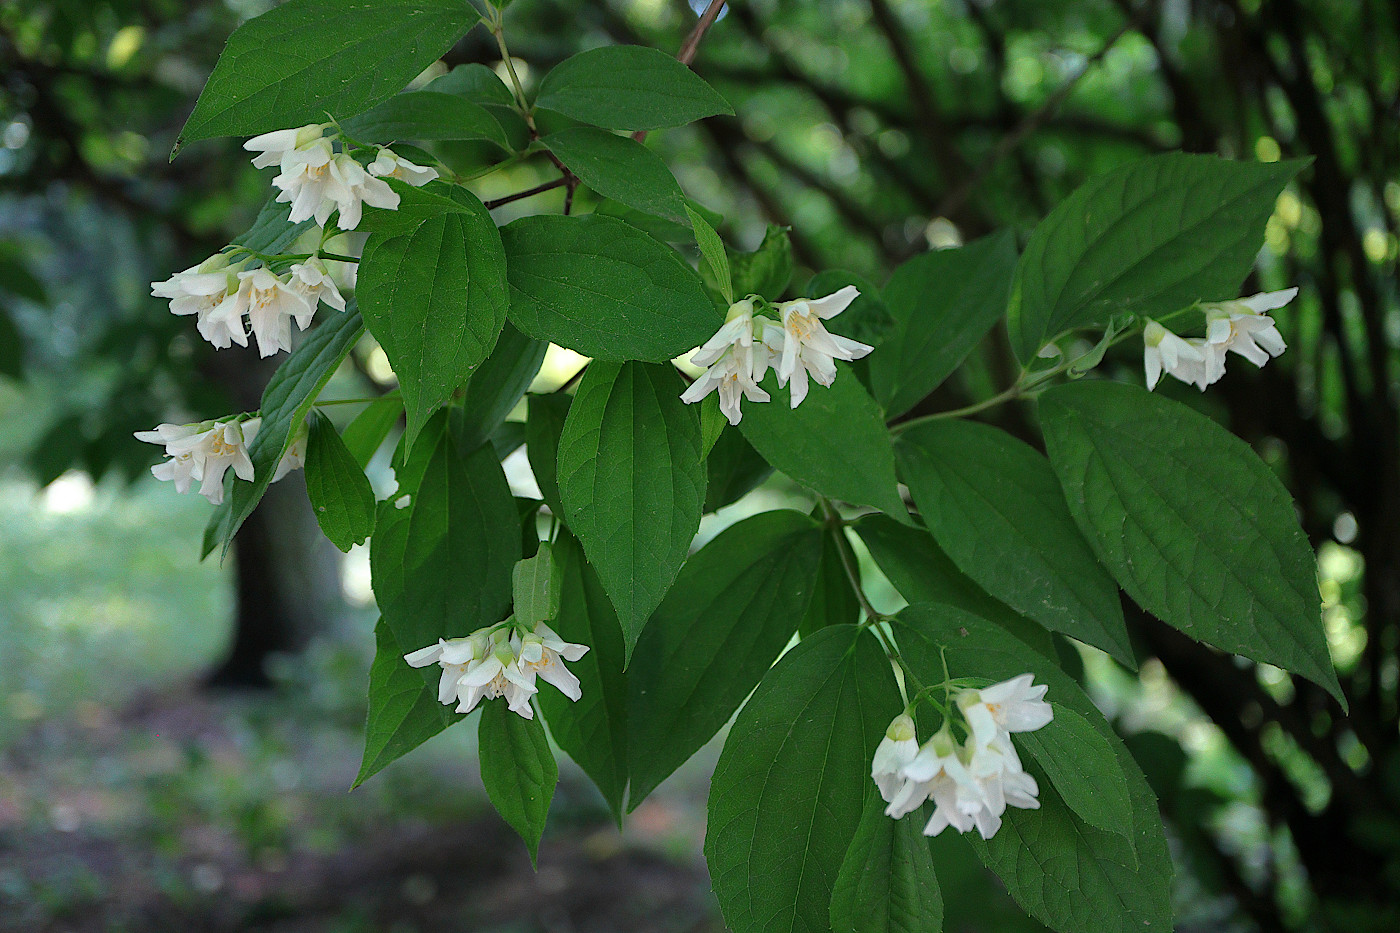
[{"x": 821, "y": 795}]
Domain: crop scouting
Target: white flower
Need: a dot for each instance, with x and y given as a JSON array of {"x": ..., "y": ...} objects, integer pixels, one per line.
[
  {"x": 271, "y": 304},
  {"x": 543, "y": 652},
  {"x": 938, "y": 772},
  {"x": 203, "y": 290},
  {"x": 272, "y": 148},
  {"x": 307, "y": 182},
  {"x": 389, "y": 164},
  {"x": 1164, "y": 351},
  {"x": 997, "y": 771},
  {"x": 1015, "y": 705},
  {"x": 896, "y": 749},
  {"x": 806, "y": 346},
  {"x": 497, "y": 674},
  {"x": 353, "y": 188},
  {"x": 1244, "y": 327},
  {"x": 736, "y": 362},
  {"x": 454, "y": 655},
  {"x": 294, "y": 457},
  {"x": 202, "y": 453},
  {"x": 312, "y": 281}
]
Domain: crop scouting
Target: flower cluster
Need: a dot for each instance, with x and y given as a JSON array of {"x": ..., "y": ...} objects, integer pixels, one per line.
[
  {"x": 971, "y": 782},
  {"x": 795, "y": 344},
  {"x": 1242, "y": 326},
  {"x": 203, "y": 452},
  {"x": 501, "y": 661}
]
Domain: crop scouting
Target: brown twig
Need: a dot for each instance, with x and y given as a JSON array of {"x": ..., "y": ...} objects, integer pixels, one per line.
[
  {"x": 692, "y": 44},
  {"x": 529, "y": 192}
]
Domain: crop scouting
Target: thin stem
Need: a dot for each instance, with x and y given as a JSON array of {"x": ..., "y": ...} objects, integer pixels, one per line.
[
  {"x": 349, "y": 401},
  {"x": 992, "y": 402},
  {"x": 529, "y": 192},
  {"x": 499, "y": 32},
  {"x": 848, "y": 558}
]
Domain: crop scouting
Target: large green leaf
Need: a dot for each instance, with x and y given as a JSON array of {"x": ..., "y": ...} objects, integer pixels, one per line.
[
  {"x": 734, "y": 468},
  {"x": 544, "y": 423},
  {"x": 835, "y": 442},
  {"x": 632, "y": 482},
  {"x": 340, "y": 494},
  {"x": 767, "y": 270},
  {"x": 1150, "y": 237},
  {"x": 944, "y": 303},
  {"x": 834, "y": 600},
  {"x": 272, "y": 230},
  {"x": 620, "y": 168},
  {"x": 628, "y": 87},
  {"x": 497, "y": 385},
  {"x": 886, "y": 883},
  {"x": 365, "y": 435},
  {"x": 518, "y": 770},
  {"x": 1083, "y": 766},
  {"x": 1192, "y": 523},
  {"x": 1062, "y": 870},
  {"x": 441, "y": 562},
  {"x": 788, "y": 791},
  {"x": 474, "y": 81},
  {"x": 732, "y": 611},
  {"x": 285, "y": 402},
  {"x": 426, "y": 115},
  {"x": 435, "y": 298},
  {"x": 593, "y": 729},
  {"x": 993, "y": 505},
  {"x": 605, "y": 289},
  {"x": 306, "y": 58},
  {"x": 404, "y": 712}
]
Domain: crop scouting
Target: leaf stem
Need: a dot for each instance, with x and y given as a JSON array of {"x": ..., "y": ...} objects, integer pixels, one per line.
[
  {"x": 529, "y": 192},
  {"x": 836, "y": 524}
]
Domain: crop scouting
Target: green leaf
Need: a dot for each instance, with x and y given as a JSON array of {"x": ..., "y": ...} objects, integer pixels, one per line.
[
  {"x": 497, "y": 385},
  {"x": 544, "y": 423},
  {"x": 767, "y": 270},
  {"x": 475, "y": 82},
  {"x": 732, "y": 611},
  {"x": 285, "y": 402},
  {"x": 632, "y": 482},
  {"x": 620, "y": 168},
  {"x": 605, "y": 289},
  {"x": 788, "y": 791},
  {"x": 1063, "y": 871},
  {"x": 518, "y": 770},
  {"x": 835, "y": 443},
  {"x": 733, "y": 467},
  {"x": 833, "y": 600},
  {"x": 426, "y": 115},
  {"x": 993, "y": 505},
  {"x": 304, "y": 59},
  {"x": 404, "y": 712},
  {"x": 944, "y": 302},
  {"x": 415, "y": 206},
  {"x": 11, "y": 347},
  {"x": 459, "y": 524},
  {"x": 365, "y": 435},
  {"x": 712, "y": 424},
  {"x": 712, "y": 249},
  {"x": 435, "y": 299},
  {"x": 1191, "y": 522},
  {"x": 536, "y": 583},
  {"x": 341, "y": 497},
  {"x": 1150, "y": 237},
  {"x": 919, "y": 570},
  {"x": 886, "y": 883},
  {"x": 629, "y": 87},
  {"x": 273, "y": 231},
  {"x": 1084, "y": 768},
  {"x": 592, "y": 730}
]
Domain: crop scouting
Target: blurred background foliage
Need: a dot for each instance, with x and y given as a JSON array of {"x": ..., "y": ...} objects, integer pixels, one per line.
[{"x": 874, "y": 130}]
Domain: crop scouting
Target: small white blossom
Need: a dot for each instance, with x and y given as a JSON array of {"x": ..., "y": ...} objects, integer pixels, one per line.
[
  {"x": 203, "y": 291},
  {"x": 542, "y": 652},
  {"x": 354, "y": 188},
  {"x": 307, "y": 182},
  {"x": 807, "y": 348},
  {"x": 1015, "y": 705},
  {"x": 312, "y": 281},
  {"x": 294, "y": 457},
  {"x": 454, "y": 655},
  {"x": 389, "y": 164},
  {"x": 273, "y": 147},
  {"x": 271, "y": 305},
  {"x": 1243, "y": 326},
  {"x": 1164, "y": 351},
  {"x": 203, "y": 453},
  {"x": 896, "y": 749},
  {"x": 938, "y": 772},
  {"x": 1001, "y": 780},
  {"x": 736, "y": 360}
]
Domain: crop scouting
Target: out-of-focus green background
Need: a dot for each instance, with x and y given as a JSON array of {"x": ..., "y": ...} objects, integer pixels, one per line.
[{"x": 177, "y": 737}]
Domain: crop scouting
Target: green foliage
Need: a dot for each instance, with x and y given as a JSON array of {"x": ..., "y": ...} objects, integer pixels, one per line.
[
  {"x": 543, "y": 426},
  {"x": 605, "y": 289},
  {"x": 1194, "y": 526},
  {"x": 435, "y": 299},
  {"x": 626, "y": 87},
  {"x": 518, "y": 770},
  {"x": 404, "y": 712},
  {"x": 1083, "y": 767},
  {"x": 732, "y": 611},
  {"x": 767, "y": 270},
  {"x": 833, "y": 598},
  {"x": 365, "y": 435},
  {"x": 1152, "y": 237},
  {"x": 306, "y": 58},
  {"x": 943, "y": 303},
  {"x": 886, "y": 883},
  {"x": 992, "y": 504},
  {"x": 632, "y": 482},
  {"x": 536, "y": 582},
  {"x": 497, "y": 386},
  {"x": 713, "y": 251},
  {"x": 340, "y": 494},
  {"x": 426, "y": 115},
  {"x": 620, "y": 168},
  {"x": 787, "y": 793}
]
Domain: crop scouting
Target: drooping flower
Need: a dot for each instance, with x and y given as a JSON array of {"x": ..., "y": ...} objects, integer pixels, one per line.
[
  {"x": 806, "y": 347},
  {"x": 454, "y": 655},
  {"x": 1164, "y": 351},
  {"x": 203, "y": 290},
  {"x": 1002, "y": 781},
  {"x": 1243, "y": 326},
  {"x": 273, "y": 148},
  {"x": 203, "y": 453},
  {"x": 307, "y": 182},
  {"x": 896, "y": 749},
  {"x": 938, "y": 772},
  {"x": 312, "y": 281},
  {"x": 271, "y": 305},
  {"x": 497, "y": 674},
  {"x": 543, "y": 653},
  {"x": 389, "y": 164},
  {"x": 353, "y": 188},
  {"x": 736, "y": 360},
  {"x": 294, "y": 457},
  {"x": 1015, "y": 705}
]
